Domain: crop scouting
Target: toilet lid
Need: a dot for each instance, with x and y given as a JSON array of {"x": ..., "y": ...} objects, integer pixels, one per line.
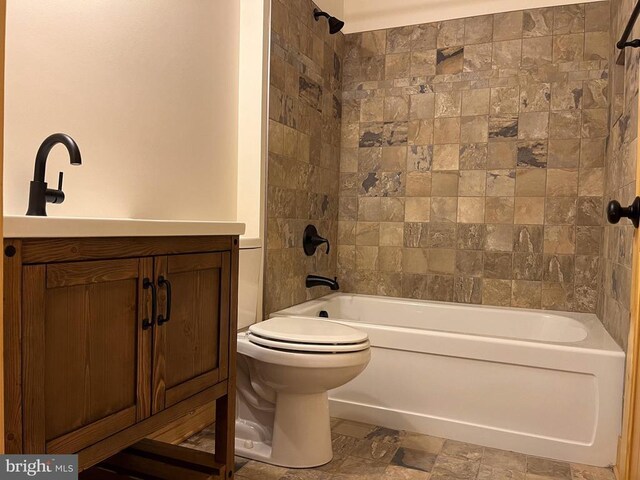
[
  {"x": 301, "y": 330},
  {"x": 307, "y": 347}
]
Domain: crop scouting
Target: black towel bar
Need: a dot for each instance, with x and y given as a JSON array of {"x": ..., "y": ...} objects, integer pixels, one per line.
[{"x": 624, "y": 41}]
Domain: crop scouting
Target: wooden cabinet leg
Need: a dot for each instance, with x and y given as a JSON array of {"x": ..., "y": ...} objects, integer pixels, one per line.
[
  {"x": 226, "y": 406},
  {"x": 226, "y": 432}
]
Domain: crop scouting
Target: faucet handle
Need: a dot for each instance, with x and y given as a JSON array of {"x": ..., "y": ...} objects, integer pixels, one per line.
[
  {"x": 311, "y": 240},
  {"x": 56, "y": 196}
]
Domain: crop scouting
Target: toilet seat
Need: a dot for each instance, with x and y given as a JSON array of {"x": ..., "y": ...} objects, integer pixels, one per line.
[
  {"x": 300, "y": 334},
  {"x": 307, "y": 347}
]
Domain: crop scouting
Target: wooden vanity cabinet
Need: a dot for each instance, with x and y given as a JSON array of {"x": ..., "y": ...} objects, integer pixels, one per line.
[
  {"x": 109, "y": 339},
  {"x": 190, "y": 349},
  {"x": 85, "y": 354}
]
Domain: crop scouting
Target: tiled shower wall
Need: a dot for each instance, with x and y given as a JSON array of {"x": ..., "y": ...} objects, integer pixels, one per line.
[
  {"x": 304, "y": 149},
  {"x": 620, "y": 178},
  {"x": 472, "y": 159}
]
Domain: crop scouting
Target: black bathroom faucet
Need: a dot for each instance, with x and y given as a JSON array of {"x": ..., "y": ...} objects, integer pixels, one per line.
[
  {"x": 318, "y": 281},
  {"x": 39, "y": 194}
]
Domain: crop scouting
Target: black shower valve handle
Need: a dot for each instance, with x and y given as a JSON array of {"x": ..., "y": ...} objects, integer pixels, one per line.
[
  {"x": 311, "y": 241},
  {"x": 328, "y": 245},
  {"x": 317, "y": 241}
]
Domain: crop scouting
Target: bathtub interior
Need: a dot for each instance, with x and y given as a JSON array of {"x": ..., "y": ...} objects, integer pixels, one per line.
[{"x": 509, "y": 323}]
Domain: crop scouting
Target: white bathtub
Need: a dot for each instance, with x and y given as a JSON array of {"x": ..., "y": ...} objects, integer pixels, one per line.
[{"x": 537, "y": 382}]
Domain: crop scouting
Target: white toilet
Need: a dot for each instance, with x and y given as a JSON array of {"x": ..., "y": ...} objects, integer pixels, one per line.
[{"x": 286, "y": 366}]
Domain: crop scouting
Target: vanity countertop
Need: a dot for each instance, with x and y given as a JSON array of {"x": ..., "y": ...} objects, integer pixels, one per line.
[{"x": 21, "y": 226}]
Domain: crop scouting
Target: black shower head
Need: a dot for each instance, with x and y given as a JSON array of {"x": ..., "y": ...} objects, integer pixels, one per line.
[{"x": 335, "y": 25}]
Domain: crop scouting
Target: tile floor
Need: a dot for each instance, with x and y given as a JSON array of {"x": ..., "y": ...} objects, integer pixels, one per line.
[{"x": 367, "y": 452}]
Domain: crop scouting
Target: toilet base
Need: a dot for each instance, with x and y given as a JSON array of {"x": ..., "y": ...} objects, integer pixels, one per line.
[{"x": 301, "y": 433}]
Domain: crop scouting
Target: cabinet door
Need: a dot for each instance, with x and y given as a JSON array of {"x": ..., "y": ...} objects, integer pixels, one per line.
[
  {"x": 191, "y": 341},
  {"x": 86, "y": 355}
]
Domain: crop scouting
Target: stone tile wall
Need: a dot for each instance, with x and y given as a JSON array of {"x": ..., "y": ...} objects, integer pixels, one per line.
[
  {"x": 620, "y": 179},
  {"x": 304, "y": 149},
  {"x": 472, "y": 159}
]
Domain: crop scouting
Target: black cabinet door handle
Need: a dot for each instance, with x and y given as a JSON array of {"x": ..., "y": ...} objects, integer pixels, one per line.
[
  {"x": 163, "y": 282},
  {"x": 148, "y": 323},
  {"x": 615, "y": 212}
]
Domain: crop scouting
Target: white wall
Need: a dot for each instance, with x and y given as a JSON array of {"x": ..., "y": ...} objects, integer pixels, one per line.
[
  {"x": 149, "y": 90},
  {"x": 332, "y": 7},
  {"x": 253, "y": 84},
  {"x": 365, "y": 15},
  {"x": 252, "y": 138}
]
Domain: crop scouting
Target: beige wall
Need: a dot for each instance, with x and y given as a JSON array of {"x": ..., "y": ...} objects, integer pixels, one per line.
[
  {"x": 333, "y": 7},
  {"x": 149, "y": 90},
  {"x": 252, "y": 111},
  {"x": 252, "y": 139},
  {"x": 3, "y": 6},
  {"x": 364, "y": 15}
]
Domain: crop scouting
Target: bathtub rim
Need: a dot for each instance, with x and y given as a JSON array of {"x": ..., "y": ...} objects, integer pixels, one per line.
[{"x": 597, "y": 340}]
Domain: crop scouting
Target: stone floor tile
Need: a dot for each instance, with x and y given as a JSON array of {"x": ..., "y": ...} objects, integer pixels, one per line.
[
  {"x": 209, "y": 431},
  {"x": 443, "y": 476},
  {"x": 240, "y": 462},
  {"x": 342, "y": 448},
  {"x": 353, "y": 429},
  {"x": 488, "y": 472},
  {"x": 532, "y": 476},
  {"x": 585, "y": 472},
  {"x": 261, "y": 471},
  {"x": 375, "y": 450},
  {"x": 417, "y": 441},
  {"x": 543, "y": 467},
  {"x": 452, "y": 467},
  {"x": 504, "y": 459},
  {"x": 394, "y": 472},
  {"x": 415, "y": 459},
  {"x": 367, "y": 452},
  {"x": 386, "y": 435},
  {"x": 361, "y": 466},
  {"x": 198, "y": 444},
  {"x": 464, "y": 451},
  {"x": 357, "y": 476},
  {"x": 332, "y": 466},
  {"x": 306, "y": 474},
  {"x": 203, "y": 440}
]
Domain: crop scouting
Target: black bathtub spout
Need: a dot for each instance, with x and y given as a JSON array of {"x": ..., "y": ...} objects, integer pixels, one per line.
[{"x": 318, "y": 281}]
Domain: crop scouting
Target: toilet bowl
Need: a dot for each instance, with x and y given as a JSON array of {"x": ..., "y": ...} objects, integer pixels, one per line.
[{"x": 286, "y": 366}]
